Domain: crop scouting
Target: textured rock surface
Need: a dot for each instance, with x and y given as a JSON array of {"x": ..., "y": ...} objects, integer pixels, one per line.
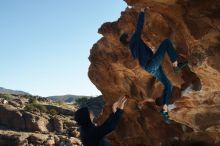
[
  {"x": 20, "y": 126},
  {"x": 11, "y": 117},
  {"x": 35, "y": 122},
  {"x": 193, "y": 26},
  {"x": 13, "y": 138},
  {"x": 58, "y": 124}
]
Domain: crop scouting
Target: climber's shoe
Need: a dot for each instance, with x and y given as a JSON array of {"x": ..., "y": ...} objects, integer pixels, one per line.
[
  {"x": 180, "y": 66},
  {"x": 140, "y": 106},
  {"x": 171, "y": 107},
  {"x": 165, "y": 117}
]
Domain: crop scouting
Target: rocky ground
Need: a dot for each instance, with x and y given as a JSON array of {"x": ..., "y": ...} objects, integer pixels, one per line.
[{"x": 36, "y": 121}]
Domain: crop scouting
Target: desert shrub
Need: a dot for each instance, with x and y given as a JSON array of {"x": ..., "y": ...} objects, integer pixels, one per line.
[
  {"x": 52, "y": 112},
  {"x": 32, "y": 100},
  {"x": 5, "y": 96},
  {"x": 35, "y": 106},
  {"x": 82, "y": 100},
  {"x": 60, "y": 102},
  {"x": 29, "y": 107},
  {"x": 41, "y": 108},
  {"x": 27, "y": 96}
]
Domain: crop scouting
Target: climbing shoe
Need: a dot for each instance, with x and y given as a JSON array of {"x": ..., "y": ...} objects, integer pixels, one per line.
[
  {"x": 180, "y": 66},
  {"x": 171, "y": 107},
  {"x": 165, "y": 117}
]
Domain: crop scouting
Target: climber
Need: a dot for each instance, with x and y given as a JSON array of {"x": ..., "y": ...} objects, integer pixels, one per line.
[
  {"x": 151, "y": 61},
  {"x": 92, "y": 135}
]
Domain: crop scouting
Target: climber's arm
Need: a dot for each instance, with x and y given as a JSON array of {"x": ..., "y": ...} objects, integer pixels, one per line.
[
  {"x": 140, "y": 24},
  {"x": 136, "y": 37},
  {"x": 110, "y": 124}
]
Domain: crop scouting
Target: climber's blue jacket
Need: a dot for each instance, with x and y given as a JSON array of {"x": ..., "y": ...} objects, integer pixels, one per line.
[{"x": 138, "y": 48}]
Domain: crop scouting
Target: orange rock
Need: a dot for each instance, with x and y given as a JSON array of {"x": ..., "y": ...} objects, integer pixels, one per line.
[{"x": 193, "y": 26}]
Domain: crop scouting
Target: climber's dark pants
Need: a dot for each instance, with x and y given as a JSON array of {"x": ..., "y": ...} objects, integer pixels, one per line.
[
  {"x": 154, "y": 67},
  {"x": 104, "y": 142}
]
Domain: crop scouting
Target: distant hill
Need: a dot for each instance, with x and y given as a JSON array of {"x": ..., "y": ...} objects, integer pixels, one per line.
[
  {"x": 63, "y": 98},
  {"x": 15, "y": 92},
  {"x": 66, "y": 98}
]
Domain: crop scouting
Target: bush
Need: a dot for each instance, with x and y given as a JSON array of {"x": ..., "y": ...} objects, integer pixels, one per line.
[
  {"x": 5, "y": 96},
  {"x": 32, "y": 100},
  {"x": 82, "y": 100},
  {"x": 29, "y": 107},
  {"x": 60, "y": 102},
  {"x": 52, "y": 112},
  {"x": 35, "y": 107},
  {"x": 41, "y": 108},
  {"x": 27, "y": 96}
]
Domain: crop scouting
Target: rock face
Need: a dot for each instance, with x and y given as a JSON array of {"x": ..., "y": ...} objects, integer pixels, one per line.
[
  {"x": 35, "y": 122},
  {"x": 23, "y": 126},
  {"x": 194, "y": 28},
  {"x": 60, "y": 110},
  {"x": 58, "y": 124},
  {"x": 11, "y": 118},
  {"x": 14, "y": 138}
]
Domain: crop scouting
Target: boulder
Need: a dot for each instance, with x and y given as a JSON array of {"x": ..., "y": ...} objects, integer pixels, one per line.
[
  {"x": 60, "y": 110},
  {"x": 57, "y": 124},
  {"x": 11, "y": 117},
  {"x": 74, "y": 141},
  {"x": 193, "y": 27},
  {"x": 35, "y": 123},
  {"x": 37, "y": 139},
  {"x": 12, "y": 140}
]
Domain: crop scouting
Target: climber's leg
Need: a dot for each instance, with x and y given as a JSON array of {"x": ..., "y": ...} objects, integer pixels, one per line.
[
  {"x": 157, "y": 59},
  {"x": 160, "y": 75},
  {"x": 168, "y": 46}
]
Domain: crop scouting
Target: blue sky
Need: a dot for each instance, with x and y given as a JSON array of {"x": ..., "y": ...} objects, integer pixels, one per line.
[{"x": 45, "y": 44}]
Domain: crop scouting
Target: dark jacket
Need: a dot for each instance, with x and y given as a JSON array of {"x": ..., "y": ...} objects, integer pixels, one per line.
[
  {"x": 137, "y": 46},
  {"x": 92, "y": 135}
]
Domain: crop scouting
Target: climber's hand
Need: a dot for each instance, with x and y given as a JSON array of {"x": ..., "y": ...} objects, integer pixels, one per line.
[
  {"x": 119, "y": 104},
  {"x": 122, "y": 102},
  {"x": 146, "y": 9},
  {"x": 142, "y": 9},
  {"x": 115, "y": 106}
]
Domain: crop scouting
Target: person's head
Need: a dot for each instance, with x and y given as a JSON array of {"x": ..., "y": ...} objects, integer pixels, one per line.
[
  {"x": 82, "y": 116},
  {"x": 124, "y": 38}
]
